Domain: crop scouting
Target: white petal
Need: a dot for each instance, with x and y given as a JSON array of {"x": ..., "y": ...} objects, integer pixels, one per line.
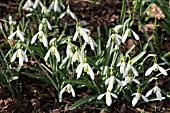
[
  {"x": 50, "y": 7},
  {"x": 125, "y": 36},
  {"x": 126, "y": 70},
  {"x": 47, "y": 54},
  {"x": 110, "y": 86},
  {"x": 75, "y": 36},
  {"x": 119, "y": 82},
  {"x": 159, "y": 95},
  {"x": 45, "y": 40},
  {"x": 72, "y": 91},
  {"x": 134, "y": 101},
  {"x": 78, "y": 67},
  {"x": 109, "y": 41},
  {"x": 21, "y": 59},
  {"x": 149, "y": 71},
  {"x": 61, "y": 93},
  {"x": 94, "y": 43},
  {"x": 135, "y": 35},
  {"x": 34, "y": 38},
  {"x": 108, "y": 98},
  {"x": 21, "y": 36},
  {"x": 85, "y": 35},
  {"x": 73, "y": 15},
  {"x": 52, "y": 40},
  {"x": 114, "y": 95},
  {"x": 145, "y": 99},
  {"x": 62, "y": 15},
  {"x": 36, "y": 4},
  {"x": 90, "y": 71},
  {"x": 107, "y": 81},
  {"x": 48, "y": 24},
  {"x": 118, "y": 37},
  {"x": 80, "y": 71},
  {"x": 57, "y": 55},
  {"x": 128, "y": 79},
  {"x": 149, "y": 93},
  {"x": 12, "y": 35},
  {"x": 162, "y": 70},
  {"x": 14, "y": 56},
  {"x": 122, "y": 67},
  {"x": 136, "y": 81},
  {"x": 100, "y": 96},
  {"x": 134, "y": 71},
  {"x": 25, "y": 57}
]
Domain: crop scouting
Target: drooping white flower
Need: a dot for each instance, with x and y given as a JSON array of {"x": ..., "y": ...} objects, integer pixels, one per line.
[
  {"x": 117, "y": 28},
  {"x": 68, "y": 12},
  {"x": 108, "y": 97},
  {"x": 155, "y": 90},
  {"x": 111, "y": 80},
  {"x": 76, "y": 57},
  {"x": 113, "y": 38},
  {"x": 137, "y": 97},
  {"x": 67, "y": 88},
  {"x": 36, "y": 3},
  {"x": 11, "y": 22},
  {"x": 45, "y": 21},
  {"x": 122, "y": 66},
  {"x": 128, "y": 33},
  {"x": 18, "y": 33},
  {"x": 92, "y": 43},
  {"x": 129, "y": 79},
  {"x": 56, "y": 6},
  {"x": 130, "y": 67},
  {"x": 156, "y": 67},
  {"x": 86, "y": 68},
  {"x": 28, "y": 5},
  {"x": 82, "y": 32},
  {"x": 21, "y": 55},
  {"x": 41, "y": 36},
  {"x": 53, "y": 50}
]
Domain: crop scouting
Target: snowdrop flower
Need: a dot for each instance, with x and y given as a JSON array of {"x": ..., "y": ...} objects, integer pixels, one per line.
[
  {"x": 122, "y": 66},
  {"x": 27, "y": 6},
  {"x": 68, "y": 12},
  {"x": 67, "y": 88},
  {"x": 137, "y": 97},
  {"x": 53, "y": 50},
  {"x": 18, "y": 33},
  {"x": 114, "y": 38},
  {"x": 128, "y": 33},
  {"x": 21, "y": 55},
  {"x": 0, "y": 25},
  {"x": 83, "y": 32},
  {"x": 55, "y": 5},
  {"x": 129, "y": 79},
  {"x": 117, "y": 28},
  {"x": 156, "y": 67},
  {"x": 110, "y": 81},
  {"x": 108, "y": 97},
  {"x": 45, "y": 21},
  {"x": 41, "y": 36},
  {"x": 36, "y": 3},
  {"x": 44, "y": 9},
  {"x": 11, "y": 22},
  {"x": 130, "y": 67},
  {"x": 157, "y": 91},
  {"x": 92, "y": 43},
  {"x": 86, "y": 68},
  {"x": 76, "y": 57}
]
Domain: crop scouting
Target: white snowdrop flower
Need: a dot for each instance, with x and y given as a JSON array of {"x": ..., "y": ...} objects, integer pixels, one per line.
[
  {"x": 67, "y": 88},
  {"x": 155, "y": 90},
  {"x": 108, "y": 97},
  {"x": 117, "y": 28},
  {"x": 138, "y": 97},
  {"x": 86, "y": 68},
  {"x": 56, "y": 6},
  {"x": 111, "y": 80},
  {"x": 11, "y": 22},
  {"x": 129, "y": 79},
  {"x": 45, "y": 21},
  {"x": 76, "y": 57},
  {"x": 92, "y": 43},
  {"x": 18, "y": 33},
  {"x": 82, "y": 32},
  {"x": 113, "y": 38},
  {"x": 28, "y": 5},
  {"x": 156, "y": 67},
  {"x": 53, "y": 50},
  {"x": 122, "y": 66},
  {"x": 36, "y": 3},
  {"x": 21, "y": 55},
  {"x": 68, "y": 12},
  {"x": 41, "y": 36},
  {"x": 128, "y": 33},
  {"x": 130, "y": 67}
]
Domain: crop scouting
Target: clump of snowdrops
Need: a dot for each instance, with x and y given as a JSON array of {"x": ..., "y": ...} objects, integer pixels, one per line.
[{"x": 69, "y": 61}]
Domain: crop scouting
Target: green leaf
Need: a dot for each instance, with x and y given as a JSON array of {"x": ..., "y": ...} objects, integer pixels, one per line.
[
  {"x": 38, "y": 50},
  {"x": 82, "y": 101},
  {"x": 167, "y": 94},
  {"x": 126, "y": 54},
  {"x": 127, "y": 97},
  {"x": 98, "y": 41},
  {"x": 135, "y": 59},
  {"x": 123, "y": 12}
]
